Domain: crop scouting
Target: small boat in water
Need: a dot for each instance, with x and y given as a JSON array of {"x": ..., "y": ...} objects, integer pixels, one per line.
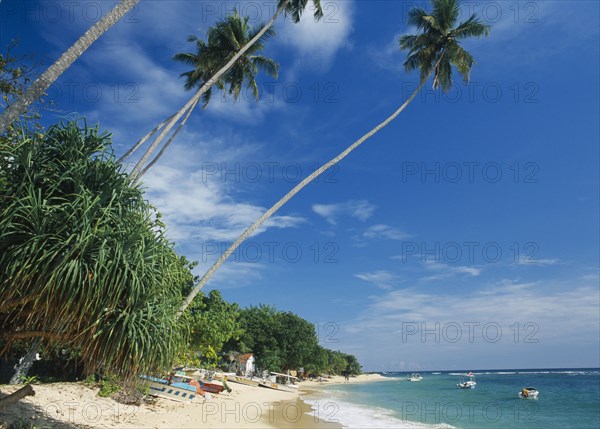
[
  {"x": 467, "y": 384},
  {"x": 415, "y": 376},
  {"x": 529, "y": 393}
]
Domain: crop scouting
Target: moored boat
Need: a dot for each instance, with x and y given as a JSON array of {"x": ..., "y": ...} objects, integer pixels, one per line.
[
  {"x": 415, "y": 376},
  {"x": 529, "y": 393},
  {"x": 467, "y": 384}
]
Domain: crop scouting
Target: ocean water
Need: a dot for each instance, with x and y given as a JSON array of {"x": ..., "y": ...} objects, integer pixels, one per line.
[{"x": 567, "y": 399}]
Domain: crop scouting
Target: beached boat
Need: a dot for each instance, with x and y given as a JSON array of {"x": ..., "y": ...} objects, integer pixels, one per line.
[
  {"x": 415, "y": 376},
  {"x": 529, "y": 393},
  {"x": 288, "y": 382},
  {"x": 467, "y": 384},
  {"x": 180, "y": 392},
  {"x": 285, "y": 381},
  {"x": 214, "y": 387},
  {"x": 243, "y": 380}
]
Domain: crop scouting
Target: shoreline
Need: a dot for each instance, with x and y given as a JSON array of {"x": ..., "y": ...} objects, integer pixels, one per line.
[{"x": 75, "y": 405}]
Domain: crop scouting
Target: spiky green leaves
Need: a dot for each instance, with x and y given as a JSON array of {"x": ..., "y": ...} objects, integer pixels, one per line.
[
  {"x": 83, "y": 260},
  {"x": 224, "y": 40},
  {"x": 436, "y": 50},
  {"x": 295, "y": 8}
]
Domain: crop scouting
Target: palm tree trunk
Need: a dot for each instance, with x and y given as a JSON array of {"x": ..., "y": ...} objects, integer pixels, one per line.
[
  {"x": 25, "y": 365},
  {"x": 293, "y": 192},
  {"x": 143, "y": 140},
  {"x": 42, "y": 83},
  {"x": 135, "y": 173},
  {"x": 166, "y": 145}
]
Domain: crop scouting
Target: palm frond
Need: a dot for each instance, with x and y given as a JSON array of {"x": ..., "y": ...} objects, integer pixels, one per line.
[
  {"x": 472, "y": 27},
  {"x": 266, "y": 65}
]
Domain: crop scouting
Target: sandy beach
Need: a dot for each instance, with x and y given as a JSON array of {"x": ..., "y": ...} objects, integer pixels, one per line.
[{"x": 69, "y": 405}]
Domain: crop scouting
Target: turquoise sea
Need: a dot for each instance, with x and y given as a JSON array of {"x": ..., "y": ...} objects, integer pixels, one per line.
[{"x": 569, "y": 398}]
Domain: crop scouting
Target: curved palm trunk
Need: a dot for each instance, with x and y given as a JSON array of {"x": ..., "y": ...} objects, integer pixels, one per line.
[
  {"x": 135, "y": 173},
  {"x": 42, "y": 83},
  {"x": 293, "y": 192},
  {"x": 166, "y": 145}
]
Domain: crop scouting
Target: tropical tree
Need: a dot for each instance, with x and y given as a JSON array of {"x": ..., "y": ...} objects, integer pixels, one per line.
[
  {"x": 212, "y": 322},
  {"x": 224, "y": 40},
  {"x": 293, "y": 8},
  {"x": 42, "y": 83},
  {"x": 84, "y": 262},
  {"x": 434, "y": 51}
]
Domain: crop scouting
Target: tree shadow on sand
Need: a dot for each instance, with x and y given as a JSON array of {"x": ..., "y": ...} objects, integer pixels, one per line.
[{"x": 25, "y": 414}]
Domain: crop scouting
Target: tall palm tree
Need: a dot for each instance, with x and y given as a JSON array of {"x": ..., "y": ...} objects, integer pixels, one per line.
[
  {"x": 434, "y": 50},
  {"x": 224, "y": 41},
  {"x": 42, "y": 83},
  {"x": 293, "y": 8}
]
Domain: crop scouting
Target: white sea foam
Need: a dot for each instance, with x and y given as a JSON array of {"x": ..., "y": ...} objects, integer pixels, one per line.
[{"x": 332, "y": 409}]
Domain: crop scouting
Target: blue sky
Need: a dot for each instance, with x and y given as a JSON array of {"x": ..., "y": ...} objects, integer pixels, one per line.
[{"x": 464, "y": 235}]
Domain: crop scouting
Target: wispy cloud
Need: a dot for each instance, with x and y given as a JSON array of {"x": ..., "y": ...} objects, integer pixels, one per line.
[
  {"x": 358, "y": 209},
  {"x": 445, "y": 271},
  {"x": 200, "y": 206},
  {"x": 525, "y": 260},
  {"x": 381, "y": 231},
  {"x": 382, "y": 279},
  {"x": 318, "y": 42},
  {"x": 522, "y": 319}
]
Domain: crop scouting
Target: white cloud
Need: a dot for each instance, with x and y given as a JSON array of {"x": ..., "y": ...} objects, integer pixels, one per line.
[
  {"x": 358, "y": 209},
  {"x": 198, "y": 203},
  {"x": 388, "y": 56},
  {"x": 511, "y": 325},
  {"x": 381, "y": 279},
  {"x": 445, "y": 271},
  {"x": 384, "y": 231},
  {"x": 525, "y": 260},
  {"x": 318, "y": 42}
]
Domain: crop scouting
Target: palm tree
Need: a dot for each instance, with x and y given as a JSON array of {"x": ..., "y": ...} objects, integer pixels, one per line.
[
  {"x": 435, "y": 50},
  {"x": 294, "y": 8},
  {"x": 42, "y": 83},
  {"x": 224, "y": 41}
]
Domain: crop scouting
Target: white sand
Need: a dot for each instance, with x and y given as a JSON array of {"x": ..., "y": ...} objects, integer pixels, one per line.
[{"x": 76, "y": 405}]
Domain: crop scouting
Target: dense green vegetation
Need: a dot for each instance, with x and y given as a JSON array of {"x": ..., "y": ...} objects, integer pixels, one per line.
[
  {"x": 83, "y": 257},
  {"x": 284, "y": 341}
]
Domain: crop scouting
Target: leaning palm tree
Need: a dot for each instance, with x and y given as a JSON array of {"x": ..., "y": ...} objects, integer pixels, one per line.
[
  {"x": 434, "y": 51},
  {"x": 293, "y": 8},
  {"x": 224, "y": 41},
  {"x": 42, "y": 83}
]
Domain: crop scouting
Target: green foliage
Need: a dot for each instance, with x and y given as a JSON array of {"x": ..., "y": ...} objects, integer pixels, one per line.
[
  {"x": 283, "y": 340},
  {"x": 16, "y": 73},
  {"x": 32, "y": 379},
  {"x": 224, "y": 41},
  {"x": 436, "y": 49},
  {"x": 295, "y": 8},
  {"x": 108, "y": 387},
  {"x": 90, "y": 380},
  {"x": 83, "y": 258},
  {"x": 212, "y": 322}
]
